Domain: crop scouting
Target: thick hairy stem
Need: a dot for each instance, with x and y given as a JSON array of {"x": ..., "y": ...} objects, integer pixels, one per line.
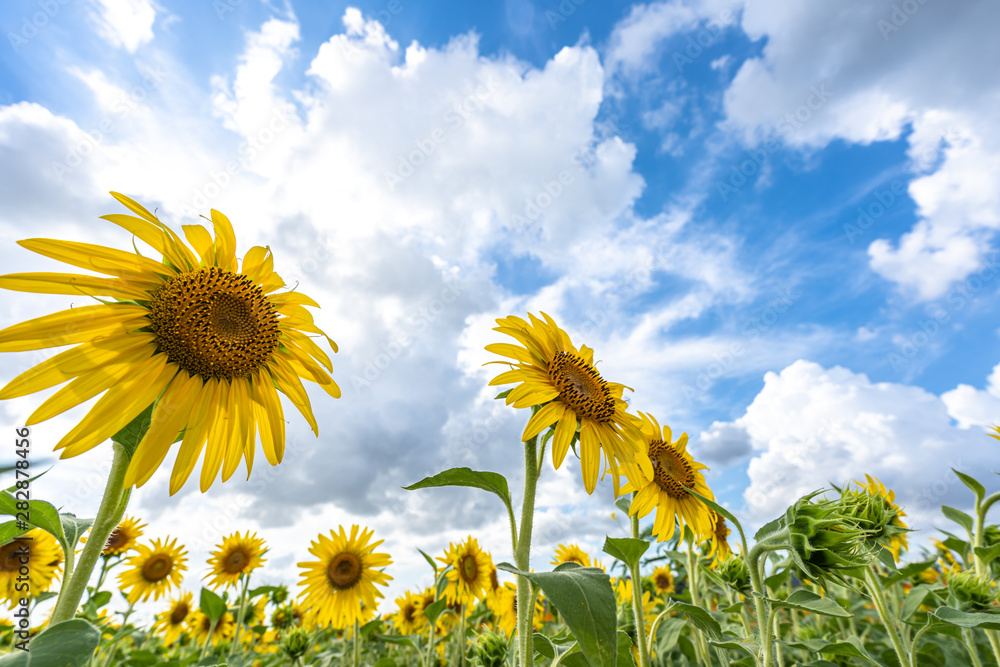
[
  {"x": 888, "y": 620},
  {"x": 522, "y": 555},
  {"x": 640, "y": 629}
]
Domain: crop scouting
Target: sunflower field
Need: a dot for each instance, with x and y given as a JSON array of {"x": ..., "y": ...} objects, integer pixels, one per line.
[{"x": 196, "y": 349}]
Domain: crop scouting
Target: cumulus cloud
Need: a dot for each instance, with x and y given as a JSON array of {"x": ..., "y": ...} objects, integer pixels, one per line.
[
  {"x": 125, "y": 23},
  {"x": 975, "y": 407}
]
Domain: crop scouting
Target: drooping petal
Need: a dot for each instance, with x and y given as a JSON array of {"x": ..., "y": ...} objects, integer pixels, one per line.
[{"x": 169, "y": 417}]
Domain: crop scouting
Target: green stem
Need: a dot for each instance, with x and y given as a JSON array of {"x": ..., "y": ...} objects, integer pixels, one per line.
[
  {"x": 100, "y": 577},
  {"x": 970, "y": 644},
  {"x": 640, "y": 621},
  {"x": 357, "y": 645},
  {"x": 240, "y": 614},
  {"x": 916, "y": 641},
  {"x": 888, "y": 620},
  {"x": 772, "y": 543},
  {"x": 979, "y": 540},
  {"x": 430, "y": 644},
  {"x": 700, "y": 645},
  {"x": 461, "y": 638},
  {"x": 211, "y": 631},
  {"x": 522, "y": 555},
  {"x": 114, "y": 642},
  {"x": 66, "y": 578},
  {"x": 108, "y": 515}
]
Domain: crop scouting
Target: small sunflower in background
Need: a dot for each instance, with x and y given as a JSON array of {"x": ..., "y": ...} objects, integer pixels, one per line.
[
  {"x": 623, "y": 595},
  {"x": 503, "y": 604},
  {"x": 663, "y": 488},
  {"x": 154, "y": 570},
  {"x": 255, "y": 615},
  {"x": 205, "y": 338},
  {"x": 236, "y": 556},
  {"x": 469, "y": 575},
  {"x": 172, "y": 622},
  {"x": 572, "y": 396},
  {"x": 124, "y": 537},
  {"x": 663, "y": 580},
  {"x": 290, "y": 615},
  {"x": 409, "y": 619},
  {"x": 40, "y": 553},
  {"x": 200, "y": 626},
  {"x": 340, "y": 587},
  {"x": 424, "y": 600},
  {"x": 719, "y": 550},
  {"x": 571, "y": 553}
]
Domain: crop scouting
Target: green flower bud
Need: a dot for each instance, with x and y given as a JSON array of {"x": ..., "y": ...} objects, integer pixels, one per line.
[
  {"x": 824, "y": 538},
  {"x": 973, "y": 593},
  {"x": 279, "y": 595},
  {"x": 490, "y": 649},
  {"x": 735, "y": 573},
  {"x": 991, "y": 536},
  {"x": 295, "y": 644},
  {"x": 872, "y": 507}
]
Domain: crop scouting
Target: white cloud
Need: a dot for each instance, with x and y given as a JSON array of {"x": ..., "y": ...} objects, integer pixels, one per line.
[
  {"x": 975, "y": 407},
  {"x": 125, "y": 23}
]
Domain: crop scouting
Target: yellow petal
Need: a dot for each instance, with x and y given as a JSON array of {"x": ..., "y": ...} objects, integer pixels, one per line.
[
  {"x": 290, "y": 385},
  {"x": 293, "y": 297},
  {"x": 218, "y": 436},
  {"x": 307, "y": 344},
  {"x": 159, "y": 237},
  {"x": 95, "y": 257},
  {"x": 199, "y": 423},
  {"x": 267, "y": 396},
  {"x": 563, "y": 438},
  {"x": 546, "y": 416},
  {"x": 239, "y": 423},
  {"x": 513, "y": 351},
  {"x": 75, "y": 284},
  {"x": 225, "y": 241},
  {"x": 201, "y": 240},
  {"x": 590, "y": 457},
  {"x": 67, "y": 327},
  {"x": 169, "y": 416}
]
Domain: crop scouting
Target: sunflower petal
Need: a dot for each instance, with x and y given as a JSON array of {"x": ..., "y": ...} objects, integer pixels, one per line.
[
  {"x": 215, "y": 450},
  {"x": 225, "y": 241},
  {"x": 159, "y": 237},
  {"x": 546, "y": 416},
  {"x": 194, "y": 437},
  {"x": 201, "y": 240},
  {"x": 74, "y": 284},
  {"x": 95, "y": 257},
  {"x": 169, "y": 417},
  {"x": 266, "y": 394},
  {"x": 565, "y": 430},
  {"x": 291, "y": 386},
  {"x": 590, "y": 456},
  {"x": 66, "y": 327}
]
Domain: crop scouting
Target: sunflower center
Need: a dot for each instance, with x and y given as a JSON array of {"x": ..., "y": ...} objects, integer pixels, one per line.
[
  {"x": 10, "y": 558},
  {"x": 721, "y": 529},
  {"x": 408, "y": 612},
  {"x": 663, "y": 582},
  {"x": 116, "y": 540},
  {"x": 214, "y": 323},
  {"x": 157, "y": 567},
  {"x": 179, "y": 613},
  {"x": 670, "y": 471},
  {"x": 581, "y": 387},
  {"x": 236, "y": 561},
  {"x": 344, "y": 570},
  {"x": 468, "y": 568}
]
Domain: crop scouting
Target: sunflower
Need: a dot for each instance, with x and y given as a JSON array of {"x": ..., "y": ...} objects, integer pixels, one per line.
[
  {"x": 503, "y": 604},
  {"x": 469, "y": 575},
  {"x": 37, "y": 551},
  {"x": 663, "y": 488},
  {"x": 571, "y": 553},
  {"x": 172, "y": 621},
  {"x": 897, "y": 542},
  {"x": 562, "y": 379},
  {"x": 255, "y": 614},
  {"x": 124, "y": 537},
  {"x": 344, "y": 577},
  {"x": 425, "y": 600},
  {"x": 409, "y": 620},
  {"x": 623, "y": 594},
  {"x": 155, "y": 569},
  {"x": 200, "y": 625},
  {"x": 236, "y": 556},
  {"x": 291, "y": 615},
  {"x": 208, "y": 342},
  {"x": 663, "y": 580},
  {"x": 720, "y": 545}
]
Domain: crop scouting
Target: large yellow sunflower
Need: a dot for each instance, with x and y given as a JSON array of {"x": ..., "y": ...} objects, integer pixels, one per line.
[
  {"x": 173, "y": 621},
  {"x": 663, "y": 488},
  {"x": 562, "y": 379},
  {"x": 469, "y": 575},
  {"x": 208, "y": 339},
  {"x": 236, "y": 556},
  {"x": 571, "y": 553},
  {"x": 409, "y": 619},
  {"x": 154, "y": 570},
  {"x": 200, "y": 625},
  {"x": 124, "y": 537},
  {"x": 344, "y": 578},
  {"x": 37, "y": 551}
]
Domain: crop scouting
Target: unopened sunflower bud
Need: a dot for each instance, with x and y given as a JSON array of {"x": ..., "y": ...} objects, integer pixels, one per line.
[
  {"x": 279, "y": 595},
  {"x": 735, "y": 573},
  {"x": 973, "y": 593},
  {"x": 823, "y": 538},
  {"x": 491, "y": 649},
  {"x": 873, "y": 509},
  {"x": 296, "y": 643}
]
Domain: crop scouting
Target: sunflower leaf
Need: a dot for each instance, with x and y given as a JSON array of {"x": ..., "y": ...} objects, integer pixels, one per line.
[
  {"x": 213, "y": 606},
  {"x": 429, "y": 560},
  {"x": 988, "y": 554},
  {"x": 626, "y": 549},
  {"x": 74, "y": 528},
  {"x": 700, "y": 618},
  {"x": 434, "y": 610},
  {"x": 39, "y": 514},
  {"x": 809, "y": 601},
  {"x": 130, "y": 436},
  {"x": 67, "y": 644},
  {"x": 964, "y": 619},
  {"x": 10, "y": 531},
  {"x": 850, "y": 647},
  {"x": 958, "y": 516},
  {"x": 973, "y": 484},
  {"x": 586, "y": 603},
  {"x": 493, "y": 482}
]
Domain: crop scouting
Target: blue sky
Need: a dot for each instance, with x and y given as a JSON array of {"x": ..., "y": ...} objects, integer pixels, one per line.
[{"x": 776, "y": 221}]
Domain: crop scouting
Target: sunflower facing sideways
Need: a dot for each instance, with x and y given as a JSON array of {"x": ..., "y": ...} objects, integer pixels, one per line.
[
  {"x": 664, "y": 490},
  {"x": 344, "y": 578},
  {"x": 124, "y": 537},
  {"x": 208, "y": 339},
  {"x": 409, "y": 618},
  {"x": 171, "y": 623},
  {"x": 236, "y": 556},
  {"x": 562, "y": 380},
  {"x": 469, "y": 576},
  {"x": 154, "y": 570}
]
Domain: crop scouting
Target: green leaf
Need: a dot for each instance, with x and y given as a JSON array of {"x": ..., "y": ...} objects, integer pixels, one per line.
[
  {"x": 488, "y": 481},
  {"x": 395, "y": 639},
  {"x": 626, "y": 549},
  {"x": 851, "y": 647},
  {"x": 886, "y": 558},
  {"x": 370, "y": 627},
  {"x": 543, "y": 645},
  {"x": 624, "y": 503},
  {"x": 503, "y": 394},
  {"x": 988, "y": 554},
  {"x": 964, "y": 619},
  {"x": 262, "y": 590},
  {"x": 958, "y": 516},
  {"x": 9, "y": 531},
  {"x": 40, "y": 514},
  {"x": 700, "y": 618},
  {"x": 769, "y": 528},
  {"x": 213, "y": 606},
  {"x": 101, "y": 599},
  {"x": 67, "y": 644},
  {"x": 744, "y": 645},
  {"x": 434, "y": 609},
  {"x": 809, "y": 601},
  {"x": 667, "y": 633},
  {"x": 624, "y": 651},
  {"x": 133, "y": 432},
  {"x": 431, "y": 561},
  {"x": 916, "y": 597},
  {"x": 910, "y": 570},
  {"x": 586, "y": 603},
  {"x": 973, "y": 484},
  {"x": 74, "y": 528},
  {"x": 719, "y": 509}
]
